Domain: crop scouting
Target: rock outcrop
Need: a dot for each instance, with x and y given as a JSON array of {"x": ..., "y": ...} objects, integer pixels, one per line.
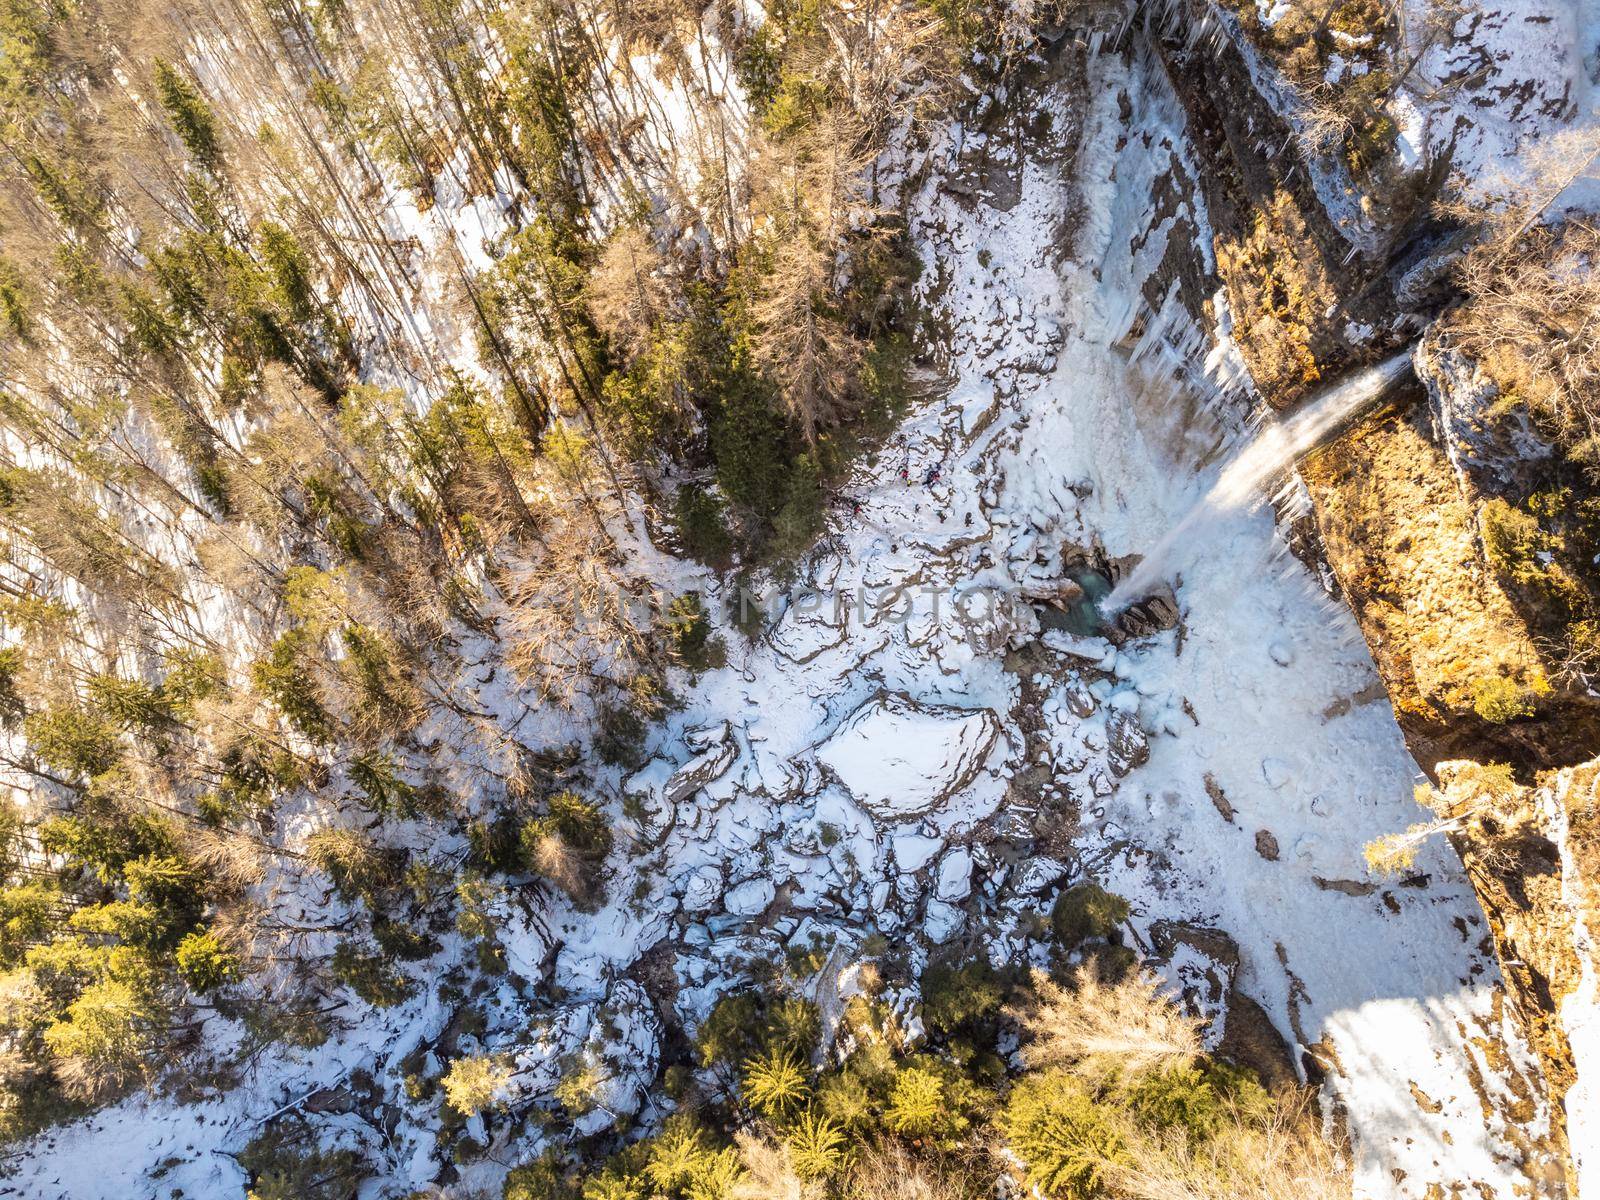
[
  {"x": 1460, "y": 535},
  {"x": 1533, "y": 854},
  {"x": 900, "y": 759}
]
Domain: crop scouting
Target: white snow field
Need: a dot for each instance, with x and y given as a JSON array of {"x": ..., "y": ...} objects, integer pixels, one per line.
[{"x": 854, "y": 772}]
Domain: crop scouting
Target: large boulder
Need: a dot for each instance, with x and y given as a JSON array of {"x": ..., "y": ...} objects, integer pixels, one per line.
[
  {"x": 1126, "y": 743},
  {"x": 710, "y": 764},
  {"x": 900, "y": 759},
  {"x": 654, "y": 791}
]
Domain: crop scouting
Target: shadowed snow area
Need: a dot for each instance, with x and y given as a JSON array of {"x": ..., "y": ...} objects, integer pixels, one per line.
[{"x": 850, "y": 773}]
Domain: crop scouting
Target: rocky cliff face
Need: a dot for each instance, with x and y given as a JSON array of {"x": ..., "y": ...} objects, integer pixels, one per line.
[
  {"x": 1480, "y": 670},
  {"x": 1456, "y": 524}
]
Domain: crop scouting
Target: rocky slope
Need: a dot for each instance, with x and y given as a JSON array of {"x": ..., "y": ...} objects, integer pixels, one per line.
[
  {"x": 912, "y": 754},
  {"x": 1454, "y": 523},
  {"x": 912, "y": 759}
]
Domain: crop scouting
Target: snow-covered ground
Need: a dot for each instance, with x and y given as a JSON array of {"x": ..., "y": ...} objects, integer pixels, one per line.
[
  {"x": 769, "y": 823},
  {"x": 1285, "y": 719}
]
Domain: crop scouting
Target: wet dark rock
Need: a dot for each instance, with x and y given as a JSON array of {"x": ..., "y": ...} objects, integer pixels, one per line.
[{"x": 1126, "y": 743}]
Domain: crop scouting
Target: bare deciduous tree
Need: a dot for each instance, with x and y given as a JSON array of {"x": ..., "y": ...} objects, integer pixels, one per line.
[{"x": 1131, "y": 1024}]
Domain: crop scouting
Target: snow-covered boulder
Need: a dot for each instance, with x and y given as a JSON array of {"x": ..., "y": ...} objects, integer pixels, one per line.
[
  {"x": 700, "y": 770},
  {"x": 941, "y": 922},
  {"x": 1037, "y": 874},
  {"x": 955, "y": 876},
  {"x": 645, "y": 801},
  {"x": 900, "y": 759},
  {"x": 750, "y": 898},
  {"x": 653, "y": 791},
  {"x": 618, "y": 1040},
  {"x": 624, "y": 1065},
  {"x": 701, "y": 888},
  {"x": 707, "y": 736},
  {"x": 913, "y": 851}
]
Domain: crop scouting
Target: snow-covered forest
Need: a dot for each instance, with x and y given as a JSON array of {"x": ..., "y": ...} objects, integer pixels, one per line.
[{"x": 553, "y": 636}]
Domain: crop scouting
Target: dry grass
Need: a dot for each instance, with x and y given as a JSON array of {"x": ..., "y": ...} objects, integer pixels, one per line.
[
  {"x": 768, "y": 1173},
  {"x": 888, "y": 1171},
  {"x": 878, "y": 1170},
  {"x": 1287, "y": 1158},
  {"x": 1100, "y": 1028},
  {"x": 1532, "y": 319},
  {"x": 549, "y": 855}
]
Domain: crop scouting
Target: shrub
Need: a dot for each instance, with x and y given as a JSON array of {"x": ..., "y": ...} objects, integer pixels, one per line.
[
  {"x": 399, "y": 939},
  {"x": 191, "y": 117},
  {"x": 1085, "y": 911},
  {"x": 690, "y": 630},
  {"x": 1583, "y": 639},
  {"x": 475, "y": 1082},
  {"x": 775, "y": 1084},
  {"x": 107, "y": 1038},
  {"x": 285, "y": 1163},
  {"x": 800, "y": 519},
  {"x": 370, "y": 976},
  {"x": 378, "y": 778},
  {"x": 1067, "y": 1142},
  {"x": 1493, "y": 781},
  {"x": 742, "y": 1025},
  {"x": 916, "y": 1102},
  {"x": 205, "y": 963},
  {"x": 1513, "y": 542},
  {"x": 1523, "y": 285},
  {"x": 131, "y": 704},
  {"x": 929, "y": 1100},
  {"x": 1199, "y": 1100},
  {"x": 12, "y": 707},
  {"x": 1395, "y": 853},
  {"x": 955, "y": 996},
  {"x": 27, "y": 912},
  {"x": 1111, "y": 963},
  {"x": 567, "y": 845},
  {"x": 545, "y": 1178},
  {"x": 680, "y": 1161},
  {"x": 72, "y": 741},
  {"x": 703, "y": 525},
  {"x": 817, "y": 1145},
  {"x": 579, "y": 1089},
  {"x": 1497, "y": 699},
  {"x": 495, "y": 844},
  {"x": 845, "y": 1098},
  {"x": 349, "y": 858},
  {"x": 748, "y": 438},
  {"x": 619, "y": 739},
  {"x": 283, "y": 677},
  {"x": 1242, "y": 1089}
]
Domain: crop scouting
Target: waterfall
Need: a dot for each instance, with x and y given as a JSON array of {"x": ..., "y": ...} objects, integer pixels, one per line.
[{"x": 1275, "y": 446}]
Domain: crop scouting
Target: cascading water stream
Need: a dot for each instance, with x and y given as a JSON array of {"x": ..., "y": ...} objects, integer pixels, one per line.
[{"x": 1276, "y": 445}]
